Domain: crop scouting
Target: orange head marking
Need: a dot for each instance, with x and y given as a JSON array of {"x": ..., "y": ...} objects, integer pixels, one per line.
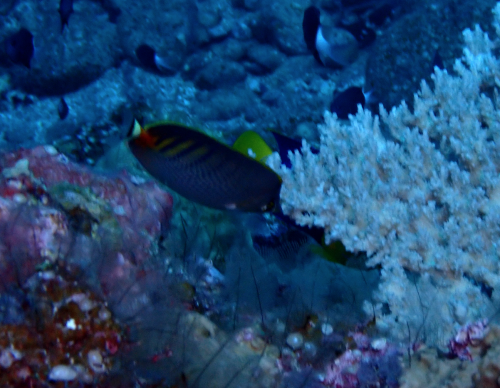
[{"x": 145, "y": 139}]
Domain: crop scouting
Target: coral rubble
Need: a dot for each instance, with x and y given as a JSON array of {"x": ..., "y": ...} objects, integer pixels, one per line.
[{"x": 69, "y": 335}]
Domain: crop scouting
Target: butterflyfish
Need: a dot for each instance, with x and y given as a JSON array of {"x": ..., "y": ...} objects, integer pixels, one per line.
[{"x": 203, "y": 169}]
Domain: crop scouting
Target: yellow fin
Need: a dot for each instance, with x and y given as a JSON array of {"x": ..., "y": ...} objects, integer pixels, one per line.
[
  {"x": 334, "y": 252},
  {"x": 250, "y": 143}
]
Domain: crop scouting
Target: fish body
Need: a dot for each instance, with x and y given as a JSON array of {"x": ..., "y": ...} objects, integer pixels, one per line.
[
  {"x": 287, "y": 144},
  {"x": 437, "y": 61},
  {"x": 204, "y": 170},
  {"x": 65, "y": 11},
  {"x": 150, "y": 59},
  {"x": 310, "y": 26},
  {"x": 286, "y": 241},
  {"x": 346, "y": 102},
  {"x": 318, "y": 41},
  {"x": 147, "y": 56},
  {"x": 19, "y": 47},
  {"x": 62, "y": 109},
  {"x": 288, "y": 244}
]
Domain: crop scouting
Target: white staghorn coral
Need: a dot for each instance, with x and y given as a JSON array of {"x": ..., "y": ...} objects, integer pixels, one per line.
[{"x": 423, "y": 201}]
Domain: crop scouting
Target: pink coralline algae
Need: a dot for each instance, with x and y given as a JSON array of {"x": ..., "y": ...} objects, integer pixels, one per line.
[
  {"x": 468, "y": 335},
  {"x": 341, "y": 373},
  {"x": 54, "y": 210},
  {"x": 374, "y": 363}
]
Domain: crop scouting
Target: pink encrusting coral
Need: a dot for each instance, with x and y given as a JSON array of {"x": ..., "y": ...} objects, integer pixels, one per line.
[
  {"x": 469, "y": 335},
  {"x": 374, "y": 363},
  {"x": 472, "y": 360},
  {"x": 53, "y": 209}
]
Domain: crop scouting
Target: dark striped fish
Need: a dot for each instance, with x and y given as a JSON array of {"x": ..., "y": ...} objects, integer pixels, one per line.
[{"x": 204, "y": 170}]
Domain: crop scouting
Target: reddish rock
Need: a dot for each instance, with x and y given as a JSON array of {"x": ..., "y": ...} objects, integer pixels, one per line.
[{"x": 54, "y": 210}]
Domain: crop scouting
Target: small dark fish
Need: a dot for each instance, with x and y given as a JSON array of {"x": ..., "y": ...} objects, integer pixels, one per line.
[
  {"x": 310, "y": 27},
  {"x": 334, "y": 251},
  {"x": 204, "y": 170},
  {"x": 319, "y": 46},
  {"x": 346, "y": 102},
  {"x": 364, "y": 35},
  {"x": 151, "y": 60},
  {"x": 62, "y": 109},
  {"x": 314, "y": 232},
  {"x": 286, "y": 144},
  {"x": 65, "y": 11},
  {"x": 437, "y": 61},
  {"x": 147, "y": 56},
  {"x": 19, "y": 47},
  {"x": 287, "y": 244}
]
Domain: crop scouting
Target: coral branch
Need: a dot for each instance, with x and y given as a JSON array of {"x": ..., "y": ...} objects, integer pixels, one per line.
[{"x": 418, "y": 191}]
